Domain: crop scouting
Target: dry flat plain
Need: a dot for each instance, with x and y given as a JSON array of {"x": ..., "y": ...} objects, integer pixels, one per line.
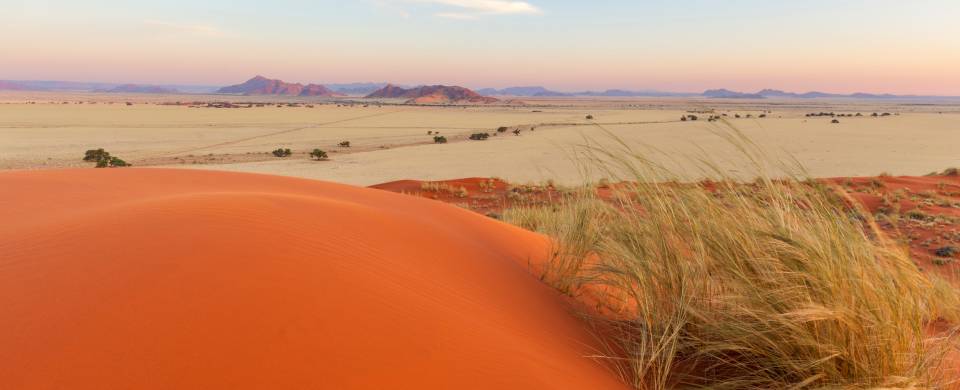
[{"x": 391, "y": 142}]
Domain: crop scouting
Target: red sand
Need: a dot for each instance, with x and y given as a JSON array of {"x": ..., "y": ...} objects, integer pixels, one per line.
[
  {"x": 929, "y": 195},
  {"x": 166, "y": 279}
]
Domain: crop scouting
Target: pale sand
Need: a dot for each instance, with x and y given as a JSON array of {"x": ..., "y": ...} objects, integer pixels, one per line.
[{"x": 391, "y": 142}]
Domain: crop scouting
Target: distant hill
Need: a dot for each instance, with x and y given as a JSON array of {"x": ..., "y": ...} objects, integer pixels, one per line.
[
  {"x": 776, "y": 93},
  {"x": 71, "y": 86},
  {"x": 544, "y": 92},
  {"x": 260, "y": 85},
  {"x": 728, "y": 94},
  {"x": 628, "y": 93},
  {"x": 521, "y": 91},
  {"x": 434, "y": 94},
  {"x": 136, "y": 88},
  {"x": 11, "y": 86},
  {"x": 356, "y": 89}
]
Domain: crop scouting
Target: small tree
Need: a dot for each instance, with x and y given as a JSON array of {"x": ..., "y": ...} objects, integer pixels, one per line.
[
  {"x": 502, "y": 129},
  {"x": 281, "y": 153},
  {"x": 95, "y": 155},
  {"x": 318, "y": 155},
  {"x": 345, "y": 144},
  {"x": 104, "y": 159},
  {"x": 439, "y": 139}
]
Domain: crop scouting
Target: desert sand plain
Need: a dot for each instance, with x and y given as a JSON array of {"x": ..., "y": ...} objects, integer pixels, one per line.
[
  {"x": 390, "y": 142},
  {"x": 168, "y": 278}
]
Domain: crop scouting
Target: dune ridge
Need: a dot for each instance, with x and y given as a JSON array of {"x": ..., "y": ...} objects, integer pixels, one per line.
[{"x": 155, "y": 279}]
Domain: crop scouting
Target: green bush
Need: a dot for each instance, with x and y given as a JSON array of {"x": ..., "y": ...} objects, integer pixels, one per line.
[
  {"x": 282, "y": 153},
  {"x": 439, "y": 139},
  {"x": 318, "y": 155}
]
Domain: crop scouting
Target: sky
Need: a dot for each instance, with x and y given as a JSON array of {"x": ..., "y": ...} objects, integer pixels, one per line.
[{"x": 880, "y": 46}]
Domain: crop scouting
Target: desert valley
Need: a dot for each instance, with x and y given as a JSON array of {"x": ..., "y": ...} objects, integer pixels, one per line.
[{"x": 657, "y": 196}]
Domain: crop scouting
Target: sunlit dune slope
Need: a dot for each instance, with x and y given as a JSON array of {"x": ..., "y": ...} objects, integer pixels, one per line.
[{"x": 167, "y": 279}]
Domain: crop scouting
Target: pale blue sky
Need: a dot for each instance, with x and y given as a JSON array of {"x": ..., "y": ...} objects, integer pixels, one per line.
[{"x": 878, "y": 46}]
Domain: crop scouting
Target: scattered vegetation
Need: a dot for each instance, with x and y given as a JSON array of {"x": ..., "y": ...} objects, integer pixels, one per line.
[
  {"x": 439, "y": 139},
  {"x": 281, "y": 153}
]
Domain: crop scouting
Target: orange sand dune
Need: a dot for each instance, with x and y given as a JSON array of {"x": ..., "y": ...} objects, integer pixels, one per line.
[{"x": 167, "y": 279}]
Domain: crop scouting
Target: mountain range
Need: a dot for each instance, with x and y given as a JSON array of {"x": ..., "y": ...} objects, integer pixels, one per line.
[
  {"x": 263, "y": 86},
  {"x": 544, "y": 92},
  {"x": 137, "y": 88}
]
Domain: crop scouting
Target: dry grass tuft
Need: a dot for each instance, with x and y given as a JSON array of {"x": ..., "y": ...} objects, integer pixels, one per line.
[{"x": 768, "y": 285}]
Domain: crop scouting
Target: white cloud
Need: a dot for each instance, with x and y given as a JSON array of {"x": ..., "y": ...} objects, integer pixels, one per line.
[
  {"x": 471, "y": 9},
  {"x": 455, "y": 15}
]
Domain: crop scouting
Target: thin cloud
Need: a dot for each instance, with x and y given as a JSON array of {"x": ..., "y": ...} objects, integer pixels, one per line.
[
  {"x": 455, "y": 15},
  {"x": 194, "y": 29},
  {"x": 472, "y": 9}
]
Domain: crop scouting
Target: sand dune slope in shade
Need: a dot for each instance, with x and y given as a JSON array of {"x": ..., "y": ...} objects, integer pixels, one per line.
[{"x": 166, "y": 279}]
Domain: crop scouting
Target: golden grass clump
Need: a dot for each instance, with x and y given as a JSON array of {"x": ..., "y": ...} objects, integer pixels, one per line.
[{"x": 773, "y": 284}]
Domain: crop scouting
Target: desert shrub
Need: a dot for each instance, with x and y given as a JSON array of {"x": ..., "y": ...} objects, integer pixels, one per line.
[
  {"x": 318, "y": 155},
  {"x": 835, "y": 121},
  {"x": 479, "y": 136},
  {"x": 516, "y": 132},
  {"x": 590, "y": 117},
  {"x": 940, "y": 261},
  {"x": 439, "y": 139},
  {"x": 947, "y": 251},
  {"x": 282, "y": 153},
  {"x": 769, "y": 287},
  {"x": 683, "y": 118},
  {"x": 919, "y": 215},
  {"x": 345, "y": 144},
  {"x": 502, "y": 129}
]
